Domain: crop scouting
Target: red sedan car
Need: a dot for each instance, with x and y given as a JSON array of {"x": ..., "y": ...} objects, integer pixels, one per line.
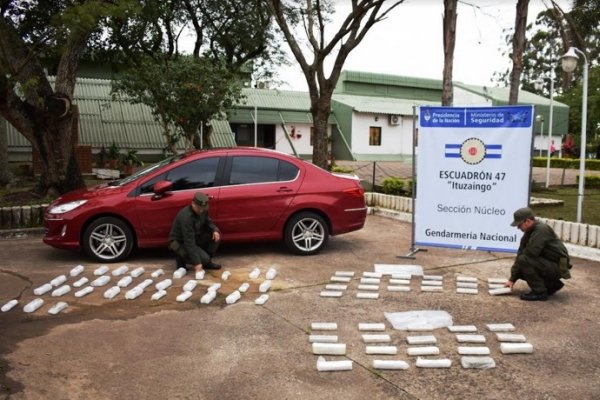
[{"x": 254, "y": 195}]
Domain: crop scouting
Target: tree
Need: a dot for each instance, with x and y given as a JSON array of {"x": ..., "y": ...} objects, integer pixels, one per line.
[
  {"x": 552, "y": 33},
  {"x": 311, "y": 17},
  {"x": 190, "y": 92},
  {"x": 450, "y": 16},
  {"x": 518, "y": 47},
  {"x": 229, "y": 37},
  {"x": 31, "y": 33}
]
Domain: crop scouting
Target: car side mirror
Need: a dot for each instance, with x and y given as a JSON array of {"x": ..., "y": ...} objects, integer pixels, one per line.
[{"x": 161, "y": 187}]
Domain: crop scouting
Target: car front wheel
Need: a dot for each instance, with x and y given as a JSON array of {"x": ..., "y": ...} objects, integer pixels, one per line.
[
  {"x": 306, "y": 233},
  {"x": 108, "y": 239}
]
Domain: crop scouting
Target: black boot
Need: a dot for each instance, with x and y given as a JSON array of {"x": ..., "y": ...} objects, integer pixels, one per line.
[
  {"x": 531, "y": 296},
  {"x": 211, "y": 265},
  {"x": 557, "y": 286}
]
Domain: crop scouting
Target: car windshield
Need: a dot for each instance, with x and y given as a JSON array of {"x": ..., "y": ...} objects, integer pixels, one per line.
[{"x": 146, "y": 171}]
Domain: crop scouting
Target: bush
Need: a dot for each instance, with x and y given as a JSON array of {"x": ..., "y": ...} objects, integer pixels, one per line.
[
  {"x": 394, "y": 185},
  {"x": 342, "y": 170},
  {"x": 573, "y": 163},
  {"x": 591, "y": 181}
]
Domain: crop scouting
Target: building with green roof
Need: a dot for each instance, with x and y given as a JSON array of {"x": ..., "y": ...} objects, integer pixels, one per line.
[{"x": 372, "y": 118}]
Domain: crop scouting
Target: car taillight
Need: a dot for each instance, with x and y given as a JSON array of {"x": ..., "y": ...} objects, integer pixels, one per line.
[{"x": 356, "y": 192}]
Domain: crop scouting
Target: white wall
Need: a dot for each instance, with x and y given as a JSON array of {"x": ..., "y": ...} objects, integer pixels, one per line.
[
  {"x": 395, "y": 139},
  {"x": 301, "y": 144}
]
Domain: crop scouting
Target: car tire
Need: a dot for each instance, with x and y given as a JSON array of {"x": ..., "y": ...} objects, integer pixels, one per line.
[
  {"x": 306, "y": 233},
  {"x": 108, "y": 239}
]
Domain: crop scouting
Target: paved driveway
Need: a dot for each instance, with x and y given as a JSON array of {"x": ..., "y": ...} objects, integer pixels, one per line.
[{"x": 140, "y": 349}]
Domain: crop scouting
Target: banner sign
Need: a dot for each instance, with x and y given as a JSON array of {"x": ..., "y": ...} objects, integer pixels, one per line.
[{"x": 473, "y": 172}]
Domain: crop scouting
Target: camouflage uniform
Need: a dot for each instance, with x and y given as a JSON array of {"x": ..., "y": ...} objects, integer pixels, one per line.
[
  {"x": 191, "y": 237},
  {"x": 542, "y": 259}
]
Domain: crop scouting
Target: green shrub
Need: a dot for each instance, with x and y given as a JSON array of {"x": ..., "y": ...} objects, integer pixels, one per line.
[
  {"x": 393, "y": 185},
  {"x": 573, "y": 163},
  {"x": 591, "y": 180},
  {"x": 342, "y": 170}
]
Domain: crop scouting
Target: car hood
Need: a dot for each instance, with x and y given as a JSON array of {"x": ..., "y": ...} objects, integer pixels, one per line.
[{"x": 99, "y": 191}]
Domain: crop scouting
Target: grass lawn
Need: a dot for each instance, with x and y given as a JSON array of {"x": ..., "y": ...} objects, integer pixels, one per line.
[{"x": 568, "y": 211}]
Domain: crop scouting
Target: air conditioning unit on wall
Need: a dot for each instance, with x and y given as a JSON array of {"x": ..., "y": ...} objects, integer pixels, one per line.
[{"x": 395, "y": 120}]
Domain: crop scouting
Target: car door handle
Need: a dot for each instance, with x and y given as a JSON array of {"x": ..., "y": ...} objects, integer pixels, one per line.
[{"x": 284, "y": 189}]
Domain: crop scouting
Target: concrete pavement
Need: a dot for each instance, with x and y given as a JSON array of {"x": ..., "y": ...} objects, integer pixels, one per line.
[{"x": 106, "y": 349}]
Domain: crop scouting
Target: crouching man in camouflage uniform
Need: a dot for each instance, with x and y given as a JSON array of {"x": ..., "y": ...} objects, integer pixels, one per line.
[
  {"x": 194, "y": 237},
  {"x": 542, "y": 259}
]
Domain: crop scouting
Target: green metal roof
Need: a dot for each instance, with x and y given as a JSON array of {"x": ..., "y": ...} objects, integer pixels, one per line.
[
  {"x": 103, "y": 120},
  {"x": 499, "y": 95},
  {"x": 388, "y": 80},
  {"x": 275, "y": 99},
  {"x": 380, "y": 105}
]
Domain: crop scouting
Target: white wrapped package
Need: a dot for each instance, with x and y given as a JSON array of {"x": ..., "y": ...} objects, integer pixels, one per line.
[
  {"x": 64, "y": 289},
  {"x": 341, "y": 365},
  {"x": 101, "y": 270},
  {"x": 365, "y": 326},
  {"x": 243, "y": 287},
  {"x": 164, "y": 284},
  {"x": 134, "y": 293},
  {"x": 33, "y": 305},
  {"x": 58, "y": 307},
  {"x": 322, "y": 338},
  {"x": 59, "y": 280},
  {"x": 77, "y": 270},
  {"x": 429, "y": 363},
  {"x": 323, "y": 326},
  {"x": 125, "y": 281},
  {"x": 190, "y": 285},
  {"x": 120, "y": 271},
  {"x": 225, "y": 275},
  {"x": 390, "y": 364},
  {"x": 9, "y": 305},
  {"x": 435, "y": 318},
  {"x": 265, "y": 286},
  {"x": 516, "y": 348},
  {"x": 208, "y": 297},
  {"x": 82, "y": 281},
  {"x": 159, "y": 295},
  {"x": 112, "y": 292},
  {"x": 42, "y": 289},
  {"x": 254, "y": 274},
  {"x": 184, "y": 296},
  {"x": 101, "y": 281},
  {"x": 84, "y": 292},
  {"x": 261, "y": 300},
  {"x": 137, "y": 272},
  {"x": 271, "y": 273},
  {"x": 157, "y": 273},
  {"x": 338, "y": 349},
  {"x": 179, "y": 273},
  {"x": 233, "y": 297}
]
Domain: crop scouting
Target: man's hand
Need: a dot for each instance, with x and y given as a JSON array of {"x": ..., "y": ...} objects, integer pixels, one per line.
[
  {"x": 509, "y": 284},
  {"x": 198, "y": 268},
  {"x": 216, "y": 236}
]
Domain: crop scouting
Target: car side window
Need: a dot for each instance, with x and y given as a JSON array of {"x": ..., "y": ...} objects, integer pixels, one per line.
[
  {"x": 287, "y": 171},
  {"x": 246, "y": 170},
  {"x": 196, "y": 174}
]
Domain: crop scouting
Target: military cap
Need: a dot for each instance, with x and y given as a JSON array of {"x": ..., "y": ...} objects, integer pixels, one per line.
[
  {"x": 521, "y": 215},
  {"x": 201, "y": 199}
]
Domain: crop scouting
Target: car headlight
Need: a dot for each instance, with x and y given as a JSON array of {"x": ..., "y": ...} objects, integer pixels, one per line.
[{"x": 66, "y": 207}]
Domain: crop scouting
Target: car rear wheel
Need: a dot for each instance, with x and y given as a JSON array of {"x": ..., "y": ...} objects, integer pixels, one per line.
[
  {"x": 108, "y": 239},
  {"x": 306, "y": 233}
]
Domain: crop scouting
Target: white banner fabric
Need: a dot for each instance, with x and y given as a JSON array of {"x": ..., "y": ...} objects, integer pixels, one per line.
[{"x": 473, "y": 172}]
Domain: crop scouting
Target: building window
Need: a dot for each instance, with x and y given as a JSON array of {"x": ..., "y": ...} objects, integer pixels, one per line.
[{"x": 375, "y": 136}]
